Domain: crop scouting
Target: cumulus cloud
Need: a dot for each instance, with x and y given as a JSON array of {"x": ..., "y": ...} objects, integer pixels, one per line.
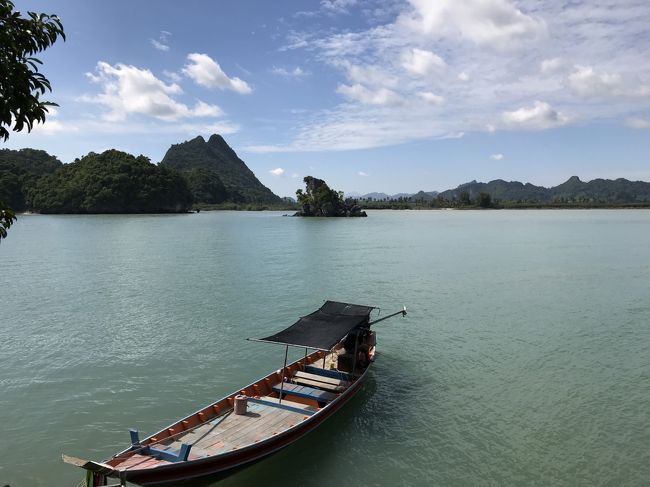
[
  {"x": 130, "y": 90},
  {"x": 297, "y": 72},
  {"x": 496, "y": 157},
  {"x": 538, "y": 117},
  {"x": 550, "y": 66},
  {"x": 638, "y": 123},
  {"x": 361, "y": 173},
  {"x": 358, "y": 92},
  {"x": 431, "y": 98},
  {"x": 496, "y": 23},
  {"x": 586, "y": 81},
  {"x": 205, "y": 71},
  {"x": 431, "y": 70},
  {"x": 421, "y": 62},
  {"x": 278, "y": 171}
]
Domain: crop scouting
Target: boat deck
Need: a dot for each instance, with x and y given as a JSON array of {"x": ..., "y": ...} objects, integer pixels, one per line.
[{"x": 264, "y": 418}]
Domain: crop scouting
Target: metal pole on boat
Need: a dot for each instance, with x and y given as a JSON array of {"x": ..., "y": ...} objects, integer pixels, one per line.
[
  {"x": 401, "y": 312},
  {"x": 354, "y": 359},
  {"x": 284, "y": 367}
]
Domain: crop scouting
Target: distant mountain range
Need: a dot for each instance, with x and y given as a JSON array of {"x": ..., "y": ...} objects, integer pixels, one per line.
[{"x": 619, "y": 191}]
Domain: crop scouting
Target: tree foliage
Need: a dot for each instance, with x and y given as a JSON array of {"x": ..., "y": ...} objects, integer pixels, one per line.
[
  {"x": 7, "y": 218},
  {"x": 206, "y": 186},
  {"x": 19, "y": 172},
  {"x": 319, "y": 199},
  {"x": 317, "y": 193},
  {"x": 111, "y": 182},
  {"x": 21, "y": 83}
]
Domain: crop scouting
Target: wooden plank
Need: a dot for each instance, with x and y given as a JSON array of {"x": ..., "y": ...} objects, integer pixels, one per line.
[
  {"x": 234, "y": 424},
  {"x": 328, "y": 372},
  {"x": 288, "y": 401},
  {"x": 315, "y": 383},
  {"x": 321, "y": 378},
  {"x": 304, "y": 391},
  {"x": 272, "y": 421}
]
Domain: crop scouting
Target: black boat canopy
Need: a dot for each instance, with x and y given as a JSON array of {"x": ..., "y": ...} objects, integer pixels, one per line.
[{"x": 323, "y": 328}]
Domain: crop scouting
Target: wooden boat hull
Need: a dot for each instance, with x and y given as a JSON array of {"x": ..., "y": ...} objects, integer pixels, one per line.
[{"x": 224, "y": 464}]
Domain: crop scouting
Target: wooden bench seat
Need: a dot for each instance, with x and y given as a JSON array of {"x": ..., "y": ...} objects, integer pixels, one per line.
[
  {"x": 305, "y": 392},
  {"x": 327, "y": 373},
  {"x": 321, "y": 378}
]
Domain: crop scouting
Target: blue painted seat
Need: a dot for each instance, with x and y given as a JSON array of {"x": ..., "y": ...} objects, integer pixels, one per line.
[
  {"x": 305, "y": 392},
  {"x": 335, "y": 374}
]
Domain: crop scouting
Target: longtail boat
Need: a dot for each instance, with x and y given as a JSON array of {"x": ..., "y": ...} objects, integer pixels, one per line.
[{"x": 261, "y": 418}]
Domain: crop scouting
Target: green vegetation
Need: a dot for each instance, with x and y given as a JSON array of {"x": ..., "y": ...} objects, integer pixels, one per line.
[
  {"x": 7, "y": 218},
  {"x": 230, "y": 180},
  {"x": 111, "y": 182},
  {"x": 599, "y": 193},
  {"x": 19, "y": 172},
  {"x": 21, "y": 84},
  {"x": 319, "y": 200}
]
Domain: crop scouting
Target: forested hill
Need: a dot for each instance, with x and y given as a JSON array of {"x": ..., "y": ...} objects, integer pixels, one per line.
[
  {"x": 604, "y": 191},
  {"x": 111, "y": 182},
  {"x": 213, "y": 164},
  {"x": 19, "y": 172}
]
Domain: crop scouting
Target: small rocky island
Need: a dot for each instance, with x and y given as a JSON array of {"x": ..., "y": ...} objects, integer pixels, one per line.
[{"x": 319, "y": 200}]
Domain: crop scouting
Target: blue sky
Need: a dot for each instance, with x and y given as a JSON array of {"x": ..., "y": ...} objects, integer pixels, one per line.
[{"x": 392, "y": 96}]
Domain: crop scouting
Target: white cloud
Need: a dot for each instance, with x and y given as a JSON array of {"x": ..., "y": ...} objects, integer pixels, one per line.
[
  {"x": 495, "y": 23},
  {"x": 128, "y": 90},
  {"x": 498, "y": 59},
  {"x": 54, "y": 127},
  {"x": 431, "y": 98},
  {"x": 162, "y": 43},
  {"x": 638, "y": 123},
  {"x": 538, "y": 117},
  {"x": 361, "y": 173},
  {"x": 585, "y": 81},
  {"x": 205, "y": 71},
  {"x": 278, "y": 171},
  {"x": 550, "y": 66},
  {"x": 159, "y": 45},
  {"x": 358, "y": 92},
  {"x": 337, "y": 6},
  {"x": 297, "y": 72},
  {"x": 496, "y": 157},
  {"x": 172, "y": 76},
  {"x": 451, "y": 135},
  {"x": 421, "y": 62}
]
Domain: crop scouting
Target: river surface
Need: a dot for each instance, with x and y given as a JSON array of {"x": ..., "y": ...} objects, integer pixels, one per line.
[{"x": 524, "y": 359}]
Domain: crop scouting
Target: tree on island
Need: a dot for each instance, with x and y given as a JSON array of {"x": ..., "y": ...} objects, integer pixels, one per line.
[
  {"x": 319, "y": 200},
  {"x": 111, "y": 182}
]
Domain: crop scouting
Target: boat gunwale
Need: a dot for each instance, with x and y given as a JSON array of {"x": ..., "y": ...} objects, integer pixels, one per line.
[
  {"x": 306, "y": 426},
  {"x": 197, "y": 462}
]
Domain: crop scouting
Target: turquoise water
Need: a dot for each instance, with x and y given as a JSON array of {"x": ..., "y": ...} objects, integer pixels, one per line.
[{"x": 524, "y": 360}]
